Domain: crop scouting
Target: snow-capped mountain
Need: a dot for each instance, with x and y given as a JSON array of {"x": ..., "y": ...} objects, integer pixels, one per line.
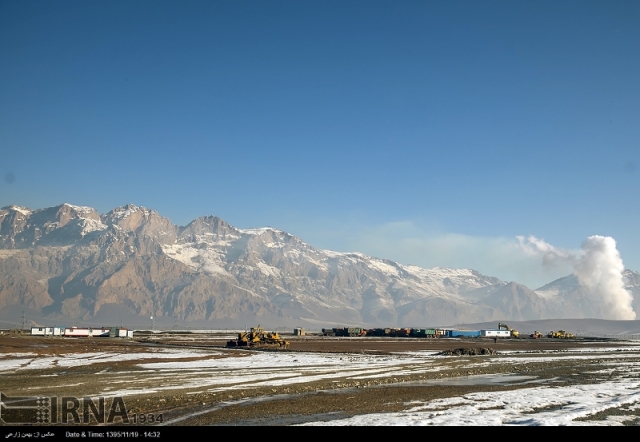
[{"x": 68, "y": 261}]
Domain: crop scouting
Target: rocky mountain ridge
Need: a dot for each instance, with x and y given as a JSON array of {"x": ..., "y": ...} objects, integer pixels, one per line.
[{"x": 71, "y": 262}]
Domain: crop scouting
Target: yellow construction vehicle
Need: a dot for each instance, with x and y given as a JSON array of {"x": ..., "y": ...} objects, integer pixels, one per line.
[
  {"x": 560, "y": 334},
  {"x": 258, "y": 338},
  {"x": 514, "y": 333},
  {"x": 536, "y": 334}
]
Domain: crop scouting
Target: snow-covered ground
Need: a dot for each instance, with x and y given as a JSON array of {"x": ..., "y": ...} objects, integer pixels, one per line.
[
  {"x": 538, "y": 405},
  {"x": 30, "y": 361},
  {"x": 224, "y": 370},
  {"x": 538, "y": 402},
  {"x": 527, "y": 406}
]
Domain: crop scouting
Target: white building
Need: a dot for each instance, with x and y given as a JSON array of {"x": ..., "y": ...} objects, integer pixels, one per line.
[
  {"x": 124, "y": 333},
  {"x": 84, "y": 332},
  {"x": 46, "y": 331},
  {"x": 495, "y": 333}
]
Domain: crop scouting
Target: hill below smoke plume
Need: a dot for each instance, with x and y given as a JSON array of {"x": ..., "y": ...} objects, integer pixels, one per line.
[
  {"x": 69, "y": 263},
  {"x": 581, "y": 327}
]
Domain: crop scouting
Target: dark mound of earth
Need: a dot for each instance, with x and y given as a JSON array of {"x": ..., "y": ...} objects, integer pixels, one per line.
[{"x": 468, "y": 352}]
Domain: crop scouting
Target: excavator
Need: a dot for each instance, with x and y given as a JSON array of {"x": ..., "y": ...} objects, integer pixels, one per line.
[
  {"x": 536, "y": 334},
  {"x": 514, "y": 333},
  {"x": 258, "y": 338}
]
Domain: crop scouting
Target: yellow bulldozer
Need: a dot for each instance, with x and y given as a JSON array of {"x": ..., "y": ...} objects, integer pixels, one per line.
[
  {"x": 514, "y": 333},
  {"x": 258, "y": 338},
  {"x": 560, "y": 334}
]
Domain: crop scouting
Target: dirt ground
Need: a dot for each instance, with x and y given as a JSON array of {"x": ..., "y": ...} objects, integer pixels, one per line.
[
  {"x": 287, "y": 404},
  {"x": 390, "y": 345},
  {"x": 11, "y": 344},
  {"x": 383, "y": 345}
]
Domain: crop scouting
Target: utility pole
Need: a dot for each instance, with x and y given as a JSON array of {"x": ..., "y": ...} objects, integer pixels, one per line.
[{"x": 22, "y": 319}]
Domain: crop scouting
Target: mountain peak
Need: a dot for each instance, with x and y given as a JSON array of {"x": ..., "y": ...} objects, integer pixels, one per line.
[
  {"x": 20, "y": 209},
  {"x": 80, "y": 209},
  {"x": 142, "y": 220},
  {"x": 208, "y": 225},
  {"x": 125, "y": 211}
]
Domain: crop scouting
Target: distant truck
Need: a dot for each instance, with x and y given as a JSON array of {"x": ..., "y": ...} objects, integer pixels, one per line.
[
  {"x": 345, "y": 331},
  {"x": 424, "y": 332}
]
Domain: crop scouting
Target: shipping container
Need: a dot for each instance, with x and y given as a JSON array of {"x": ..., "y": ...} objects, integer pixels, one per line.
[
  {"x": 378, "y": 332},
  {"x": 349, "y": 331},
  {"x": 464, "y": 333}
]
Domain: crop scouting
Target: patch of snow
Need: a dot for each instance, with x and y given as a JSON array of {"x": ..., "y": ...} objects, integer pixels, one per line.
[
  {"x": 91, "y": 225},
  {"x": 22, "y": 210},
  {"x": 351, "y": 255},
  {"x": 268, "y": 270},
  {"x": 550, "y": 293},
  {"x": 121, "y": 212},
  {"x": 332, "y": 254},
  {"x": 383, "y": 267},
  {"x": 527, "y": 406},
  {"x": 13, "y": 364},
  {"x": 79, "y": 359},
  {"x": 80, "y": 209},
  {"x": 206, "y": 259},
  {"x": 259, "y": 231}
]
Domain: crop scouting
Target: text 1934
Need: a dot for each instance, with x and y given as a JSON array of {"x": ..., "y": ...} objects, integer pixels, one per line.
[{"x": 146, "y": 418}]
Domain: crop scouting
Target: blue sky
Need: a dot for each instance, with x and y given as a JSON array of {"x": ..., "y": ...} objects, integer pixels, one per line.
[{"x": 428, "y": 132}]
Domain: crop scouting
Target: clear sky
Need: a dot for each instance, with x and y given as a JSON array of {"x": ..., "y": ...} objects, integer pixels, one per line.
[{"x": 427, "y": 132}]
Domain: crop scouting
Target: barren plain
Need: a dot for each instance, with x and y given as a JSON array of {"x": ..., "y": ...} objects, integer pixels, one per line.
[{"x": 190, "y": 379}]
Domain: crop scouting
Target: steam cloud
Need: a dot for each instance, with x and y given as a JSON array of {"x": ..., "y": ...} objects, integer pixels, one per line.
[{"x": 598, "y": 268}]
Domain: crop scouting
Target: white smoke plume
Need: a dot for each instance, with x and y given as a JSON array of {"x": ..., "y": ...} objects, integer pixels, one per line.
[{"x": 598, "y": 268}]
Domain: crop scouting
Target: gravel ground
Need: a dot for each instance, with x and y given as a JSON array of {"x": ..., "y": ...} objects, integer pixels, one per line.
[{"x": 323, "y": 399}]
